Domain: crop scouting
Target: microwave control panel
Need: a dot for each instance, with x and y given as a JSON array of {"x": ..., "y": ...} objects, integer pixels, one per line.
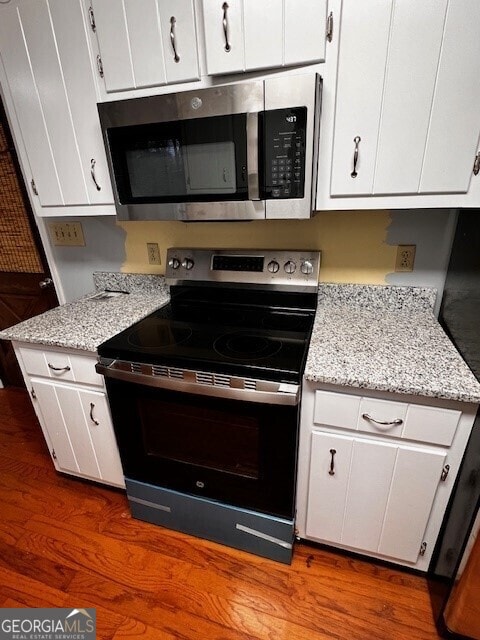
[{"x": 284, "y": 133}]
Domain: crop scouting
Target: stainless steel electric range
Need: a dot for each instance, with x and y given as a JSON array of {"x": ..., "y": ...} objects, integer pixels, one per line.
[{"x": 205, "y": 392}]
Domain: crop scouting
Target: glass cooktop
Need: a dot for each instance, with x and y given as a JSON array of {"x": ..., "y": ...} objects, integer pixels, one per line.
[{"x": 250, "y": 334}]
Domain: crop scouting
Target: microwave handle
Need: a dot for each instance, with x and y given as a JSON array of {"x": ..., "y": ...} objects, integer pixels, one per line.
[{"x": 252, "y": 157}]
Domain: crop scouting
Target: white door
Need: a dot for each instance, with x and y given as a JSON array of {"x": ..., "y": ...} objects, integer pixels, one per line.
[
  {"x": 45, "y": 54},
  {"x": 179, "y": 39},
  {"x": 224, "y": 36},
  {"x": 371, "y": 496},
  {"x": 263, "y": 26},
  {"x": 99, "y": 424},
  {"x": 304, "y": 34},
  {"x": 403, "y": 81},
  {"x": 79, "y": 427},
  {"x": 54, "y": 423}
]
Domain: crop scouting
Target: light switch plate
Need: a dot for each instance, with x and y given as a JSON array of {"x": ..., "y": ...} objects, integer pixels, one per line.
[{"x": 66, "y": 234}]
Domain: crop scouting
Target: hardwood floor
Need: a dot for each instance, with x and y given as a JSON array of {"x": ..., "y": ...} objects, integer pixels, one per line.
[{"x": 66, "y": 543}]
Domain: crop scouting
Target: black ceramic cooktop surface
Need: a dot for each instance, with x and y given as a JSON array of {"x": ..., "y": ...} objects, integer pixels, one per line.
[{"x": 231, "y": 332}]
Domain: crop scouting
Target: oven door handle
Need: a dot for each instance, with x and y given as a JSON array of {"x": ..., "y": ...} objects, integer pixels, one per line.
[
  {"x": 252, "y": 157},
  {"x": 272, "y": 393}
]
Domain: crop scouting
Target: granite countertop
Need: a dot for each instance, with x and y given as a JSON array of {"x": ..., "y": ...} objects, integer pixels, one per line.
[
  {"x": 386, "y": 338},
  {"x": 87, "y": 322}
]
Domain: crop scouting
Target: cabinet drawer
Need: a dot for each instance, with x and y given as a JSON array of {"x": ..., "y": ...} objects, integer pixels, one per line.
[
  {"x": 61, "y": 365},
  {"x": 410, "y": 421}
]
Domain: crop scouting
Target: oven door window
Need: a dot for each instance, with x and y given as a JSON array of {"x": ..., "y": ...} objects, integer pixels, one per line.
[
  {"x": 208, "y": 439},
  {"x": 237, "y": 452},
  {"x": 198, "y": 160}
]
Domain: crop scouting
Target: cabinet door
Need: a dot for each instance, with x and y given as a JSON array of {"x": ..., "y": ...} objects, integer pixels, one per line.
[
  {"x": 55, "y": 425},
  {"x": 224, "y": 36},
  {"x": 263, "y": 26},
  {"x": 304, "y": 35},
  {"x": 130, "y": 41},
  {"x": 97, "y": 418},
  {"x": 455, "y": 123},
  {"x": 79, "y": 427},
  {"x": 179, "y": 37},
  {"x": 403, "y": 80},
  {"x": 361, "y": 69},
  {"x": 374, "y": 490},
  {"x": 45, "y": 54}
]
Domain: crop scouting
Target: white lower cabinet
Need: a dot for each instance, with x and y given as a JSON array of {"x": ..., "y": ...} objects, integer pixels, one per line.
[
  {"x": 375, "y": 472},
  {"x": 75, "y": 418},
  {"x": 371, "y": 495}
]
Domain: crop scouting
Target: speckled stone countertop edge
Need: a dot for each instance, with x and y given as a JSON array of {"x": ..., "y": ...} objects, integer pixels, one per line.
[{"x": 376, "y": 296}]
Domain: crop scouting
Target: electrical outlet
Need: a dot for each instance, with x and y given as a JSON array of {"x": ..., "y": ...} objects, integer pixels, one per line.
[
  {"x": 153, "y": 253},
  {"x": 68, "y": 234},
  {"x": 405, "y": 257}
]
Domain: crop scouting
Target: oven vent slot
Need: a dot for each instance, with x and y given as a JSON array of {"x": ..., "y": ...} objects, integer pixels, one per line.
[
  {"x": 166, "y": 372},
  {"x": 175, "y": 373},
  {"x": 250, "y": 384},
  {"x": 158, "y": 370},
  {"x": 135, "y": 367},
  {"x": 205, "y": 378},
  {"x": 222, "y": 381}
]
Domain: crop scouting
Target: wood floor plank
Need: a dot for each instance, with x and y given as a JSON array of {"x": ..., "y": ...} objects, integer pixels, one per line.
[{"x": 69, "y": 543}]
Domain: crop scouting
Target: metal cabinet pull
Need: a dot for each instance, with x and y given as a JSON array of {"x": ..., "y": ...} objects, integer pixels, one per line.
[
  {"x": 332, "y": 462},
  {"x": 92, "y": 173},
  {"x": 34, "y": 186},
  {"x": 50, "y": 366},
  {"x": 476, "y": 165},
  {"x": 100, "y": 66},
  {"x": 92, "y": 407},
  {"x": 225, "y": 26},
  {"x": 385, "y": 423},
  {"x": 176, "y": 57},
  {"x": 357, "y": 141}
]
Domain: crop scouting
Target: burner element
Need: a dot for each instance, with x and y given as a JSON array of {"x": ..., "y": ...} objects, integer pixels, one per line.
[
  {"x": 246, "y": 346},
  {"x": 158, "y": 333}
]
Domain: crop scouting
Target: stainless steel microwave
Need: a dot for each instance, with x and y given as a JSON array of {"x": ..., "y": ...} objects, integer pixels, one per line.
[{"x": 242, "y": 151}]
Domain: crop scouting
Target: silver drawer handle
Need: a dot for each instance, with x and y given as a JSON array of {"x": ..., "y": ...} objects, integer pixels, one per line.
[
  {"x": 225, "y": 27},
  {"x": 385, "y": 423},
  {"x": 176, "y": 57},
  {"x": 92, "y": 407},
  {"x": 50, "y": 366}
]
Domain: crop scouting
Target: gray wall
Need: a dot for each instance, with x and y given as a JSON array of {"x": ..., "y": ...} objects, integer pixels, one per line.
[
  {"x": 432, "y": 231},
  {"x": 104, "y": 250}
]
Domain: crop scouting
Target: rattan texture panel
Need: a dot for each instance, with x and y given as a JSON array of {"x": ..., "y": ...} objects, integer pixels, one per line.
[{"x": 18, "y": 253}]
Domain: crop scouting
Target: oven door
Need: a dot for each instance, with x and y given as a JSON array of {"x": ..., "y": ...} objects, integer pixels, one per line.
[{"x": 238, "y": 452}]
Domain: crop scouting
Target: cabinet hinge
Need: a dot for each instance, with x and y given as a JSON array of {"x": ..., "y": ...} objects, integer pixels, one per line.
[
  {"x": 423, "y": 548},
  {"x": 33, "y": 394},
  {"x": 445, "y": 472},
  {"x": 54, "y": 455},
  {"x": 100, "y": 66},
  {"x": 34, "y": 187},
  {"x": 476, "y": 165},
  {"x": 329, "y": 32},
  {"x": 91, "y": 17}
]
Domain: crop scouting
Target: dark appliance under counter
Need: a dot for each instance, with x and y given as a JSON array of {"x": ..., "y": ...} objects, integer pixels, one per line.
[{"x": 205, "y": 392}]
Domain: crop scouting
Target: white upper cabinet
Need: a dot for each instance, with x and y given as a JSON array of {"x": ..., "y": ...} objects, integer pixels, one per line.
[
  {"x": 48, "y": 74},
  {"x": 408, "y": 89},
  {"x": 146, "y": 43},
  {"x": 242, "y": 35}
]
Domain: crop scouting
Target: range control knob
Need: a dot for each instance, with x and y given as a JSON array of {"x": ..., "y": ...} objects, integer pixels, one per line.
[
  {"x": 290, "y": 267},
  {"x": 174, "y": 263},
  {"x": 306, "y": 267},
  {"x": 273, "y": 266},
  {"x": 188, "y": 264}
]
